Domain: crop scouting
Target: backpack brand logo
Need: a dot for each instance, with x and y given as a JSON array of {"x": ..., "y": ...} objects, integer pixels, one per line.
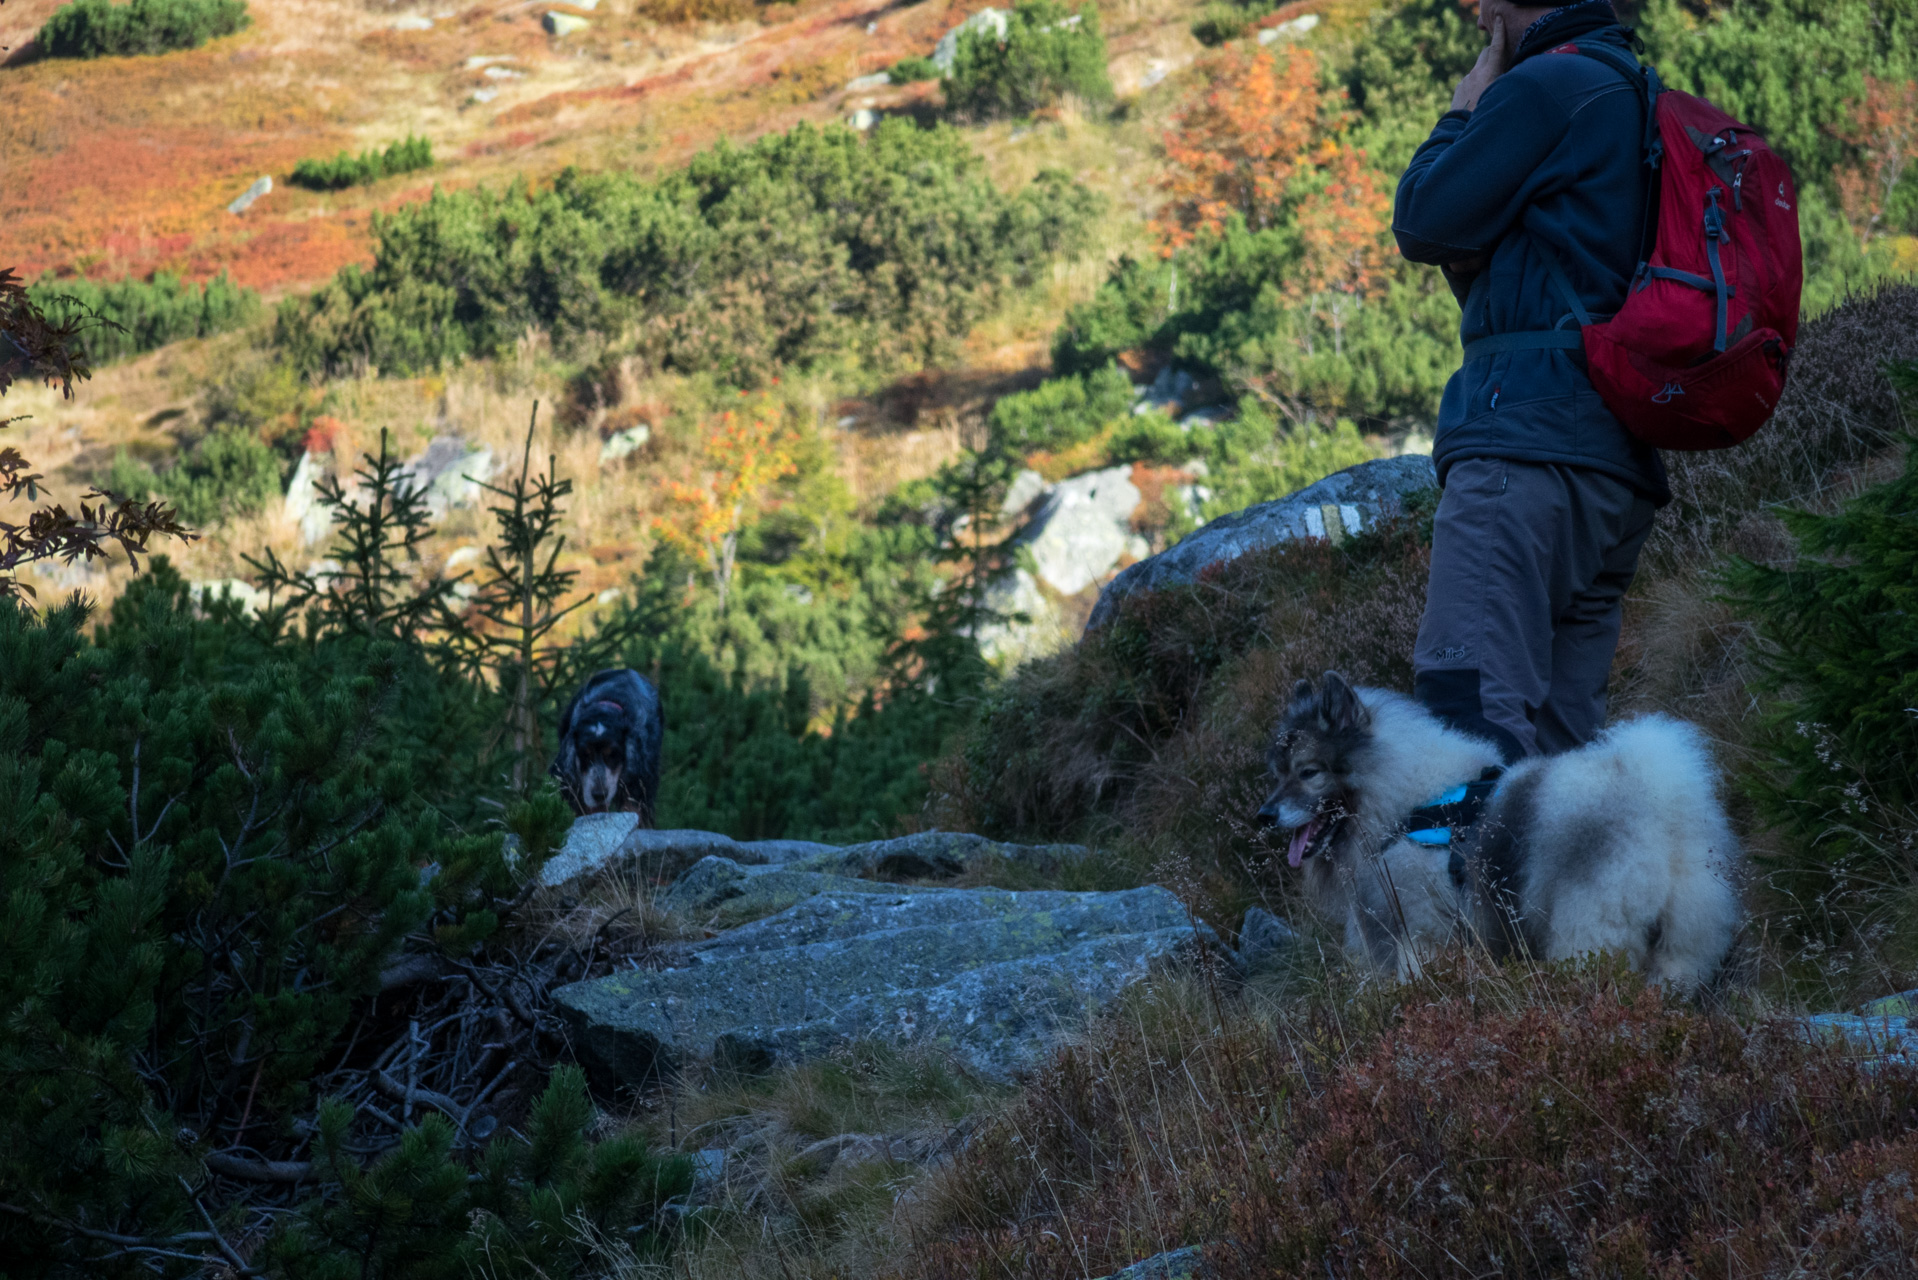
[
  {"x": 1779, "y": 199},
  {"x": 1666, "y": 393}
]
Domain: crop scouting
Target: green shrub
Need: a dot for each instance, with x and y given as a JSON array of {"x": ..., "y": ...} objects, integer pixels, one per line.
[
  {"x": 910, "y": 70},
  {"x": 150, "y": 313},
  {"x": 227, "y": 473},
  {"x": 1840, "y": 654},
  {"x": 99, "y": 29},
  {"x": 1046, "y": 53},
  {"x": 1062, "y": 412},
  {"x": 817, "y": 248},
  {"x": 210, "y": 841},
  {"x": 537, "y": 1206},
  {"x": 348, "y": 170},
  {"x": 1218, "y": 23}
]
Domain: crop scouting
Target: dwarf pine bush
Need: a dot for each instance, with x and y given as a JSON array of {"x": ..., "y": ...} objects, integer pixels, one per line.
[
  {"x": 147, "y": 313},
  {"x": 1839, "y": 631},
  {"x": 1047, "y": 52},
  {"x": 409, "y": 155},
  {"x": 100, "y": 29}
]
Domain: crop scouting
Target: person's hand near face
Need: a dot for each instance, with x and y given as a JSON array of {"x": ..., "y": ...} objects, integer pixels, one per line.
[{"x": 1492, "y": 62}]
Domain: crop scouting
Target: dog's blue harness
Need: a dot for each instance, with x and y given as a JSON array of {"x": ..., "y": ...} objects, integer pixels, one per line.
[{"x": 1432, "y": 823}]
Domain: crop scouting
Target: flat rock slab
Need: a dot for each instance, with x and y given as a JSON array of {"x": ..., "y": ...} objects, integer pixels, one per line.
[
  {"x": 719, "y": 893},
  {"x": 599, "y": 841},
  {"x": 1344, "y": 503},
  {"x": 994, "y": 977}
]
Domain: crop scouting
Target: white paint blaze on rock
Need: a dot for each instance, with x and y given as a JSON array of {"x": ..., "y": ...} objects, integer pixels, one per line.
[{"x": 1084, "y": 528}]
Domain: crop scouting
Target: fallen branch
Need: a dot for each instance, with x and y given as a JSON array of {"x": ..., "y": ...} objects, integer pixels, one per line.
[{"x": 259, "y": 1170}]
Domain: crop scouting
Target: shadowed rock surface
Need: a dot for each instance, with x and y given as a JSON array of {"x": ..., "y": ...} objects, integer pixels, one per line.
[
  {"x": 719, "y": 893},
  {"x": 600, "y": 840},
  {"x": 1347, "y": 502},
  {"x": 991, "y": 976}
]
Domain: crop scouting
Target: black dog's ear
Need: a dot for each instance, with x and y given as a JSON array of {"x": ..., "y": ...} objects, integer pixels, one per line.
[
  {"x": 1339, "y": 707},
  {"x": 1301, "y": 693}
]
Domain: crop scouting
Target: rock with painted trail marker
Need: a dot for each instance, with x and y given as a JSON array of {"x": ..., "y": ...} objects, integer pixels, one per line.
[{"x": 1347, "y": 502}]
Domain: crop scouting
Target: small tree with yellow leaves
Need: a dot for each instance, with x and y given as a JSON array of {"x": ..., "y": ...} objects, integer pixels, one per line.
[{"x": 740, "y": 456}]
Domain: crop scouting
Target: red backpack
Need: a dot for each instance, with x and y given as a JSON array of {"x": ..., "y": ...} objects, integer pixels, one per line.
[{"x": 1696, "y": 357}]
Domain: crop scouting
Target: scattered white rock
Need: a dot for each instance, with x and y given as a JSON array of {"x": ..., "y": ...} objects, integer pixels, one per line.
[
  {"x": 947, "y": 50},
  {"x": 259, "y": 188},
  {"x": 463, "y": 556},
  {"x": 485, "y": 95},
  {"x": 450, "y": 471},
  {"x": 608, "y": 596},
  {"x": 863, "y": 119},
  {"x": 1291, "y": 30},
  {"x": 503, "y": 73},
  {"x": 563, "y": 24},
  {"x": 621, "y": 443},
  {"x": 1025, "y": 622},
  {"x": 301, "y": 491},
  {"x": 866, "y": 84},
  {"x": 1155, "y": 73},
  {"x": 1025, "y": 489},
  {"x": 479, "y": 60},
  {"x": 1083, "y": 529},
  {"x": 1167, "y": 393},
  {"x": 411, "y": 22}
]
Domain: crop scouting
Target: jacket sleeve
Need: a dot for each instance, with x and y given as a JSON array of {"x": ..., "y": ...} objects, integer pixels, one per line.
[{"x": 1469, "y": 183}]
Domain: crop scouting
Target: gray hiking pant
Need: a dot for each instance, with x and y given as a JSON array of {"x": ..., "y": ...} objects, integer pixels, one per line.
[{"x": 1529, "y": 564}]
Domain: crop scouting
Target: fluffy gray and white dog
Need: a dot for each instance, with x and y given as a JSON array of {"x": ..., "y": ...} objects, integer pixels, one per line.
[
  {"x": 609, "y": 741},
  {"x": 1621, "y": 845}
]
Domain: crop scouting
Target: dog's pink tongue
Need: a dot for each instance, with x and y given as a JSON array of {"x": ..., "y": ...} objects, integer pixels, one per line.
[{"x": 1295, "y": 854}]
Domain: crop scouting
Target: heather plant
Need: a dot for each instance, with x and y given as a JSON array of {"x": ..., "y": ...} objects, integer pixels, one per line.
[
  {"x": 1045, "y": 54},
  {"x": 101, "y": 29},
  {"x": 148, "y": 313},
  {"x": 409, "y": 155},
  {"x": 1557, "y": 1121}
]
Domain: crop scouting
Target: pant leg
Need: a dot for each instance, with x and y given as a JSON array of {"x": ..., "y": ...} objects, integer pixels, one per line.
[
  {"x": 1529, "y": 563},
  {"x": 1585, "y": 637},
  {"x": 1483, "y": 656}
]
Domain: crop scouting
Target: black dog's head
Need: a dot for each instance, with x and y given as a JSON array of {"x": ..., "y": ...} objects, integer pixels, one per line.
[
  {"x": 598, "y": 745},
  {"x": 1310, "y": 763}
]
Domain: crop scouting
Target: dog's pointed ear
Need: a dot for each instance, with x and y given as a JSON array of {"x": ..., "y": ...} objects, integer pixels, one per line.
[
  {"x": 1339, "y": 707},
  {"x": 1302, "y": 693}
]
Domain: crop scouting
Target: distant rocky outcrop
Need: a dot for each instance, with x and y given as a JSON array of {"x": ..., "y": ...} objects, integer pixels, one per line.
[
  {"x": 946, "y": 52},
  {"x": 993, "y": 977},
  {"x": 1347, "y": 502}
]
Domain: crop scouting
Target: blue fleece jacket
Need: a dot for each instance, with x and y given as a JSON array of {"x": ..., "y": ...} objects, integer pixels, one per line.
[{"x": 1552, "y": 158}]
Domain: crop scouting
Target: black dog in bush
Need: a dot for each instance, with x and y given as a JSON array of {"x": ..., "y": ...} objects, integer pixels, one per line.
[{"x": 609, "y": 738}]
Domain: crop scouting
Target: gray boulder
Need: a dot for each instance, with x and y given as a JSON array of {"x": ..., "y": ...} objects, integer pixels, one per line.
[
  {"x": 450, "y": 472},
  {"x": 1084, "y": 528},
  {"x": 719, "y": 893},
  {"x": 1347, "y": 502},
  {"x": 598, "y": 841},
  {"x": 1263, "y": 938},
  {"x": 992, "y": 977}
]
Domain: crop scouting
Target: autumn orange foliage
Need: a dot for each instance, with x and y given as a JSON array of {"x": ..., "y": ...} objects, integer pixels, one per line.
[
  {"x": 740, "y": 457},
  {"x": 1237, "y": 147},
  {"x": 1264, "y": 141},
  {"x": 1885, "y": 129}
]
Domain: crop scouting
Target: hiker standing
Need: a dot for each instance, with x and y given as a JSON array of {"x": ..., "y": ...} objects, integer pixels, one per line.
[{"x": 1533, "y": 184}]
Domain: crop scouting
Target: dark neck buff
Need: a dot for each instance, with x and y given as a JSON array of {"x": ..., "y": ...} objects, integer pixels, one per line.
[{"x": 1568, "y": 22}]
